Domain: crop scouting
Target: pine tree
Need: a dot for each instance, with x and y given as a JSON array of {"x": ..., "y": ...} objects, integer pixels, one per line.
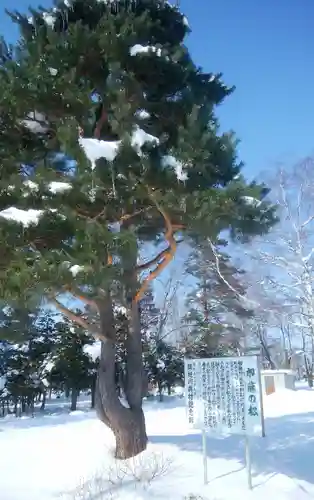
[
  {"x": 164, "y": 365},
  {"x": 213, "y": 308},
  {"x": 27, "y": 341},
  {"x": 108, "y": 139},
  {"x": 72, "y": 369}
]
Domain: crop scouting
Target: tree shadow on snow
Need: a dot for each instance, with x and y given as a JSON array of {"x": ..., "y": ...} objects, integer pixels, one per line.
[
  {"x": 288, "y": 447},
  {"x": 43, "y": 419}
]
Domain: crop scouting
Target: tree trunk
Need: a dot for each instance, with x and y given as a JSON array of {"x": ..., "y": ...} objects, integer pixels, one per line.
[
  {"x": 127, "y": 424},
  {"x": 159, "y": 385},
  {"x": 43, "y": 403},
  {"x": 308, "y": 371},
  {"x": 74, "y": 396},
  {"x": 93, "y": 392}
]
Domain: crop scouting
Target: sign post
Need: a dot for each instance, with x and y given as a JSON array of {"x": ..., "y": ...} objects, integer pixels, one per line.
[
  {"x": 223, "y": 395},
  {"x": 204, "y": 446},
  {"x": 248, "y": 463},
  {"x": 261, "y": 402}
]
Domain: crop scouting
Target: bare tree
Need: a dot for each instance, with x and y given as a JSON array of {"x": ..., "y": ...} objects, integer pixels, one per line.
[{"x": 286, "y": 258}]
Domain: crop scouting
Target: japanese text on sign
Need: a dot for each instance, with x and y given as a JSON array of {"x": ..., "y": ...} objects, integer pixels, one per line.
[{"x": 223, "y": 394}]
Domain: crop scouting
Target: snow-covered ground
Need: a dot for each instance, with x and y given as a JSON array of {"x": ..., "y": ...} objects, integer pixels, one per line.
[{"x": 48, "y": 457}]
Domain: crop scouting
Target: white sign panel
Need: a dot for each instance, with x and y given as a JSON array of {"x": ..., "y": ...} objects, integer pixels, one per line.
[{"x": 223, "y": 395}]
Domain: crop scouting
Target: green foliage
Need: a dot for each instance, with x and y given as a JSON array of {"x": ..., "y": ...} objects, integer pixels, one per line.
[
  {"x": 71, "y": 66},
  {"x": 164, "y": 364},
  {"x": 26, "y": 346},
  {"x": 73, "y": 369},
  {"x": 39, "y": 353}
]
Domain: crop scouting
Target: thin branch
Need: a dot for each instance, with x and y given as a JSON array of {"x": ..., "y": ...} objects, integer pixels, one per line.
[
  {"x": 103, "y": 118},
  {"x": 79, "y": 295},
  {"x": 156, "y": 259},
  {"x": 226, "y": 282},
  {"x": 134, "y": 214},
  {"x": 168, "y": 256},
  {"x": 76, "y": 319},
  {"x": 305, "y": 223}
]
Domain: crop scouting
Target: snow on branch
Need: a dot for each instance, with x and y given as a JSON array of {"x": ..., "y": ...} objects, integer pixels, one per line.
[
  {"x": 93, "y": 350},
  {"x": 36, "y": 122},
  {"x": 144, "y": 49},
  {"x": 249, "y": 200},
  {"x": 140, "y": 137},
  {"x": 142, "y": 114},
  {"x": 171, "y": 161},
  {"x": 95, "y": 149},
  {"x": 24, "y": 217},
  {"x": 54, "y": 186},
  {"x": 49, "y": 19},
  {"x": 74, "y": 270}
]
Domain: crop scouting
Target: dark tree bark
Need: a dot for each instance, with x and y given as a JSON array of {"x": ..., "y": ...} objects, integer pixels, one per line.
[
  {"x": 74, "y": 396},
  {"x": 93, "y": 392},
  {"x": 308, "y": 371},
  {"x": 161, "y": 397},
  {"x": 127, "y": 424},
  {"x": 43, "y": 403}
]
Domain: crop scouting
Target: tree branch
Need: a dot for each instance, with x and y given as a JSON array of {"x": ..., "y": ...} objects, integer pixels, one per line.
[
  {"x": 226, "y": 282},
  {"x": 101, "y": 121},
  {"x": 137, "y": 212},
  {"x": 155, "y": 260},
  {"x": 168, "y": 255},
  {"x": 78, "y": 295},
  {"x": 76, "y": 319}
]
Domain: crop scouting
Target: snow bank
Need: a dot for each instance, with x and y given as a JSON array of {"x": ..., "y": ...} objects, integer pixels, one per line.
[
  {"x": 171, "y": 467},
  {"x": 289, "y": 402}
]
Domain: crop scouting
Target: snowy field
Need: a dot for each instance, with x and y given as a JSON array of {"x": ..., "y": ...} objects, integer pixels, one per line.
[{"x": 69, "y": 456}]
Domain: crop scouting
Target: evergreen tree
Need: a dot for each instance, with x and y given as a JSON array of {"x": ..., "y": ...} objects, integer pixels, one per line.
[
  {"x": 73, "y": 368},
  {"x": 213, "y": 308},
  {"x": 164, "y": 365},
  {"x": 150, "y": 315},
  {"x": 26, "y": 347},
  {"x": 108, "y": 137}
]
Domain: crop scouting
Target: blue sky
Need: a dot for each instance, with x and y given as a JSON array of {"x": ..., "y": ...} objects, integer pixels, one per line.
[{"x": 264, "y": 48}]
